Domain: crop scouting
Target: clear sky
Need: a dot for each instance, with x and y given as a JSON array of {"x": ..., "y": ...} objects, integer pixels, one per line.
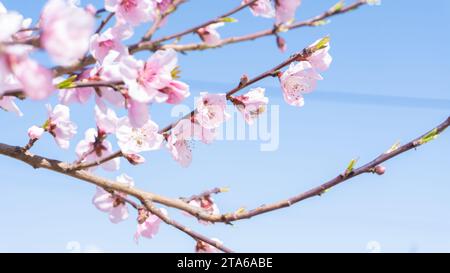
[{"x": 389, "y": 81}]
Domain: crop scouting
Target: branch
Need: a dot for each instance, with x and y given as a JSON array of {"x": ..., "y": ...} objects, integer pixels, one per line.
[
  {"x": 104, "y": 22},
  {"x": 87, "y": 165},
  {"x": 154, "y": 45},
  {"x": 249, "y": 37},
  {"x": 157, "y": 24}
]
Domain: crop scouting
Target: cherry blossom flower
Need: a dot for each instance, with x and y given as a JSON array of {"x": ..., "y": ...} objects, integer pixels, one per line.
[
  {"x": 163, "y": 5},
  {"x": 35, "y": 79},
  {"x": 134, "y": 159},
  {"x": 106, "y": 119},
  {"x": 211, "y": 110},
  {"x": 180, "y": 140},
  {"x": 7, "y": 103},
  {"x": 285, "y": 10},
  {"x": 111, "y": 39},
  {"x": 35, "y": 132},
  {"x": 209, "y": 34},
  {"x": 135, "y": 140},
  {"x": 94, "y": 147},
  {"x": 66, "y": 30},
  {"x": 59, "y": 125},
  {"x": 261, "y": 8},
  {"x": 207, "y": 204},
  {"x": 251, "y": 104},
  {"x": 153, "y": 81},
  {"x": 133, "y": 12},
  {"x": 320, "y": 59},
  {"x": 113, "y": 203},
  {"x": 10, "y": 23},
  {"x": 202, "y": 247},
  {"x": 148, "y": 224},
  {"x": 298, "y": 79}
]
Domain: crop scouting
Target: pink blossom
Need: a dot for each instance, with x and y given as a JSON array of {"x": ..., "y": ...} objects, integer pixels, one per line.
[
  {"x": 134, "y": 159},
  {"x": 207, "y": 204},
  {"x": 153, "y": 81},
  {"x": 209, "y": 34},
  {"x": 35, "y": 132},
  {"x": 299, "y": 79},
  {"x": 202, "y": 247},
  {"x": 163, "y": 5},
  {"x": 35, "y": 79},
  {"x": 113, "y": 204},
  {"x": 66, "y": 30},
  {"x": 181, "y": 137},
  {"x": 106, "y": 119},
  {"x": 111, "y": 39},
  {"x": 252, "y": 104},
  {"x": 211, "y": 110},
  {"x": 94, "y": 147},
  {"x": 285, "y": 10},
  {"x": 261, "y": 8},
  {"x": 59, "y": 125},
  {"x": 78, "y": 95},
  {"x": 135, "y": 140},
  {"x": 137, "y": 113},
  {"x": 91, "y": 9},
  {"x": 7, "y": 103},
  {"x": 133, "y": 12},
  {"x": 148, "y": 224},
  {"x": 320, "y": 59},
  {"x": 10, "y": 23}
]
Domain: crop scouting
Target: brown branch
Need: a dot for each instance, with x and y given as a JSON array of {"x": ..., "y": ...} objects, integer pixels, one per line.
[
  {"x": 204, "y": 194},
  {"x": 87, "y": 165},
  {"x": 154, "y": 45},
  {"x": 104, "y": 22},
  {"x": 197, "y": 236},
  {"x": 205, "y": 24},
  {"x": 160, "y": 19},
  {"x": 269, "y": 73}
]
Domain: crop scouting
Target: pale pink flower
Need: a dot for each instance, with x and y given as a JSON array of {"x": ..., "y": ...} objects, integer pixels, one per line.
[
  {"x": 148, "y": 224},
  {"x": 10, "y": 23},
  {"x": 134, "y": 159},
  {"x": 180, "y": 140},
  {"x": 111, "y": 39},
  {"x": 66, "y": 30},
  {"x": 176, "y": 91},
  {"x": 91, "y": 9},
  {"x": 137, "y": 113},
  {"x": 320, "y": 59},
  {"x": 207, "y": 204},
  {"x": 202, "y": 247},
  {"x": 7, "y": 103},
  {"x": 94, "y": 147},
  {"x": 163, "y": 5},
  {"x": 209, "y": 34},
  {"x": 135, "y": 140},
  {"x": 211, "y": 110},
  {"x": 299, "y": 79},
  {"x": 285, "y": 10},
  {"x": 78, "y": 95},
  {"x": 59, "y": 125},
  {"x": 153, "y": 81},
  {"x": 35, "y": 132},
  {"x": 251, "y": 104},
  {"x": 35, "y": 79},
  {"x": 261, "y": 8},
  {"x": 133, "y": 12},
  {"x": 106, "y": 119},
  {"x": 113, "y": 203}
]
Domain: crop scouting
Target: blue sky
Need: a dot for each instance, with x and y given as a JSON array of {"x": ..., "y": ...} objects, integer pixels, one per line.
[{"x": 389, "y": 81}]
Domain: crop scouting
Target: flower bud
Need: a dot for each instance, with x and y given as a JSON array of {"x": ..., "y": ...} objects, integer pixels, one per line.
[
  {"x": 135, "y": 159},
  {"x": 281, "y": 43},
  {"x": 379, "y": 170},
  {"x": 35, "y": 132}
]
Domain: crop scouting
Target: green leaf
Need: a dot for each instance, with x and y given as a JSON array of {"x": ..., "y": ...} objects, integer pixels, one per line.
[
  {"x": 228, "y": 20},
  {"x": 322, "y": 43},
  {"x": 350, "y": 167},
  {"x": 433, "y": 134},
  {"x": 394, "y": 147},
  {"x": 337, "y": 7},
  {"x": 67, "y": 83}
]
